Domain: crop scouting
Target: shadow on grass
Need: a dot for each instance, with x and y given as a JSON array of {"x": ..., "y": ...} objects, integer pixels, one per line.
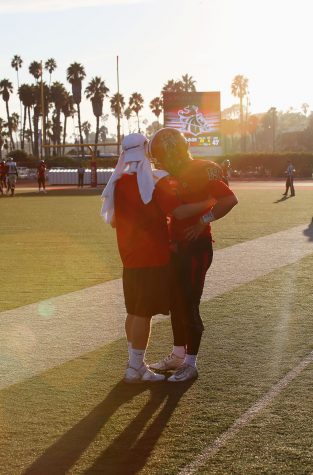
[
  {"x": 309, "y": 231},
  {"x": 283, "y": 198},
  {"x": 130, "y": 450}
]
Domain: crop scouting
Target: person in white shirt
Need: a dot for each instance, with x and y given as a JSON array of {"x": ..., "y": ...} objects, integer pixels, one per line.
[
  {"x": 12, "y": 175},
  {"x": 289, "y": 180}
]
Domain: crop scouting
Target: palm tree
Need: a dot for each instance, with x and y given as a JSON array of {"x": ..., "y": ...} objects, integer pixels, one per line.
[
  {"x": 173, "y": 86},
  {"x": 86, "y": 126},
  {"x": 239, "y": 88},
  {"x": 14, "y": 119},
  {"x": 26, "y": 95},
  {"x": 96, "y": 91},
  {"x": 6, "y": 88},
  {"x": 28, "y": 135},
  {"x": 156, "y": 106},
  {"x": 35, "y": 69},
  {"x": 75, "y": 74},
  {"x": 136, "y": 104},
  {"x": 59, "y": 98},
  {"x": 50, "y": 66},
  {"x": 117, "y": 106},
  {"x": 2, "y": 134},
  {"x": 38, "y": 112},
  {"x": 127, "y": 114},
  {"x": 68, "y": 110},
  {"x": 188, "y": 83},
  {"x": 16, "y": 64}
]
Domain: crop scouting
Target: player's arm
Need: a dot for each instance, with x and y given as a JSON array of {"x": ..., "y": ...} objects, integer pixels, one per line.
[
  {"x": 222, "y": 207},
  {"x": 171, "y": 205},
  {"x": 192, "y": 209},
  {"x": 225, "y": 200}
]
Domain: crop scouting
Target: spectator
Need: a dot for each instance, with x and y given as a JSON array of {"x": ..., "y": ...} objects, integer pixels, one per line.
[
  {"x": 41, "y": 176},
  {"x": 12, "y": 175},
  {"x": 226, "y": 171},
  {"x": 289, "y": 180},
  {"x": 81, "y": 173}
]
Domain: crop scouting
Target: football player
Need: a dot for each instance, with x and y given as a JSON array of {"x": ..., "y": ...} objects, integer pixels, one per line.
[
  {"x": 191, "y": 244},
  {"x": 136, "y": 203}
]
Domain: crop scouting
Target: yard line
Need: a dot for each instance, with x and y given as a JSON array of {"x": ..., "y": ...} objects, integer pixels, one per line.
[
  {"x": 245, "y": 418},
  {"x": 46, "y": 334}
]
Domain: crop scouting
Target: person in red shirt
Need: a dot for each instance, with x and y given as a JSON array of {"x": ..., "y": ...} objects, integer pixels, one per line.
[
  {"x": 41, "y": 176},
  {"x": 191, "y": 240},
  {"x": 136, "y": 203}
]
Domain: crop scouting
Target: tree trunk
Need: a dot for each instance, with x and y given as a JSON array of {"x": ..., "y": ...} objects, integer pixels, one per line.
[
  {"x": 64, "y": 133},
  {"x": 36, "y": 144},
  {"x": 80, "y": 131},
  {"x": 9, "y": 125},
  {"x": 97, "y": 135},
  {"x": 31, "y": 131},
  {"x": 24, "y": 127},
  {"x": 138, "y": 122}
]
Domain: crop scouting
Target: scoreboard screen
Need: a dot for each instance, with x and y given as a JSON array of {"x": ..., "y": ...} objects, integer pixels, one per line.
[{"x": 198, "y": 116}]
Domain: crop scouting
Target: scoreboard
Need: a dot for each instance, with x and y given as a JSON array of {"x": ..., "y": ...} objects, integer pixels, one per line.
[{"x": 198, "y": 116}]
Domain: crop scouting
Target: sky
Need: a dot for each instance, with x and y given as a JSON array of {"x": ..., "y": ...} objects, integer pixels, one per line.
[{"x": 267, "y": 41}]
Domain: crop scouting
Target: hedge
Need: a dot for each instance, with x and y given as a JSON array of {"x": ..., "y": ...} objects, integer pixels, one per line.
[
  {"x": 261, "y": 164},
  {"x": 270, "y": 164}
]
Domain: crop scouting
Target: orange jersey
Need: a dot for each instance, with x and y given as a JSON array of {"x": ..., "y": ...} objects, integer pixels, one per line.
[
  {"x": 198, "y": 181},
  {"x": 142, "y": 233}
]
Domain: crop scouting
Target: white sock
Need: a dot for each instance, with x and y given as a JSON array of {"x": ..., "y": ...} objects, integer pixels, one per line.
[
  {"x": 136, "y": 358},
  {"x": 191, "y": 360},
  {"x": 129, "y": 347},
  {"x": 179, "y": 351}
]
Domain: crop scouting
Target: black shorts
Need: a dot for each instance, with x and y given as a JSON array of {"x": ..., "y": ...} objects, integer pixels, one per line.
[{"x": 147, "y": 291}]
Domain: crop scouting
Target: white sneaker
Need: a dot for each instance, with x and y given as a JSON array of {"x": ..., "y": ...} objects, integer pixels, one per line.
[
  {"x": 151, "y": 377},
  {"x": 185, "y": 373},
  {"x": 143, "y": 374},
  {"x": 169, "y": 363}
]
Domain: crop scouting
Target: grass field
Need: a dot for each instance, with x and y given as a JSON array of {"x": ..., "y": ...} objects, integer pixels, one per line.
[
  {"x": 80, "y": 418},
  {"x": 56, "y": 243}
]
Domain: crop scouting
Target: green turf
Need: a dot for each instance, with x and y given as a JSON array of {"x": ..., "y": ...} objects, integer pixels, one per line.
[
  {"x": 57, "y": 243},
  {"x": 79, "y": 418}
]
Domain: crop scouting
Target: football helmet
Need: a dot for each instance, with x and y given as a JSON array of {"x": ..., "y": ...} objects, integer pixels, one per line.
[{"x": 168, "y": 148}]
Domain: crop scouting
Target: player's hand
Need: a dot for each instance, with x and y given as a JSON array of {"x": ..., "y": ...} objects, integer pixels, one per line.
[{"x": 193, "y": 232}]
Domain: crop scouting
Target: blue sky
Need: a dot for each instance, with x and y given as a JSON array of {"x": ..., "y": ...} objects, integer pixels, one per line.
[{"x": 268, "y": 41}]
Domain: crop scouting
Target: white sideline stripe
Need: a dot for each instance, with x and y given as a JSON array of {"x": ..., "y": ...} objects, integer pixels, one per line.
[
  {"x": 245, "y": 418},
  {"x": 45, "y": 334}
]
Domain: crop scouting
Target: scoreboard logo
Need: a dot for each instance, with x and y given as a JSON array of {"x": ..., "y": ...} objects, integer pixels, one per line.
[{"x": 198, "y": 116}]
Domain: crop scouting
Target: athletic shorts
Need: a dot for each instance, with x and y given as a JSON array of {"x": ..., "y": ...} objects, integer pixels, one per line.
[
  {"x": 41, "y": 180},
  {"x": 147, "y": 291}
]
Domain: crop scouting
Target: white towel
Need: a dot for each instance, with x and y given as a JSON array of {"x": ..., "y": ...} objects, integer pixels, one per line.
[{"x": 132, "y": 160}]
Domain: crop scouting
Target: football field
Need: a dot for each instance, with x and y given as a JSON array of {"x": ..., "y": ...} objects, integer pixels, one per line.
[{"x": 63, "y": 406}]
